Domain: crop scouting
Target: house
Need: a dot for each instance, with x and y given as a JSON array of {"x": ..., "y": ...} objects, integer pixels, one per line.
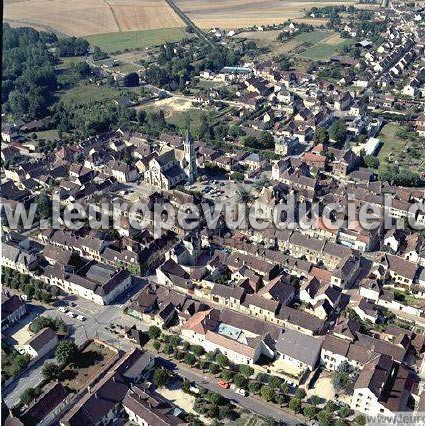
[
  {"x": 41, "y": 343},
  {"x": 145, "y": 409},
  {"x": 13, "y": 308},
  {"x": 382, "y": 387},
  {"x": 297, "y": 353},
  {"x": 102, "y": 402},
  {"x": 49, "y": 405}
]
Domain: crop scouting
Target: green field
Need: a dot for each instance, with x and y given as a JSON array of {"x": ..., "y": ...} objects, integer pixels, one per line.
[
  {"x": 84, "y": 93},
  {"x": 313, "y": 36},
  {"x": 391, "y": 144},
  {"x": 132, "y": 40}
]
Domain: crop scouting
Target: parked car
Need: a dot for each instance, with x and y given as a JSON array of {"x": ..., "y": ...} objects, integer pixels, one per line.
[
  {"x": 62, "y": 309},
  {"x": 223, "y": 384},
  {"x": 81, "y": 318},
  {"x": 194, "y": 389},
  {"x": 70, "y": 314},
  {"x": 242, "y": 392}
]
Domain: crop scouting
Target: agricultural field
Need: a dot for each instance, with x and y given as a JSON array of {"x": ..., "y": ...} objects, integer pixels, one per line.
[
  {"x": 135, "y": 40},
  {"x": 86, "y": 17},
  {"x": 245, "y": 13}
]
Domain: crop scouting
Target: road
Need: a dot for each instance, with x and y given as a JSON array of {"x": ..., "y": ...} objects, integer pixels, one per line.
[
  {"x": 98, "y": 318},
  {"x": 249, "y": 402}
]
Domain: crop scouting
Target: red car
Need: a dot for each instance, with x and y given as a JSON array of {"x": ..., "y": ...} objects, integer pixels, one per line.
[{"x": 223, "y": 384}]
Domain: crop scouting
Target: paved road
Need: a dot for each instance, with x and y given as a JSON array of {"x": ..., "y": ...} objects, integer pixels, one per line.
[
  {"x": 95, "y": 326},
  {"x": 251, "y": 403}
]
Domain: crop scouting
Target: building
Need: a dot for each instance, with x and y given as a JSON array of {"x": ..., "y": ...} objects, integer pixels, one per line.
[
  {"x": 297, "y": 353},
  {"x": 146, "y": 409},
  {"x": 382, "y": 387},
  {"x": 13, "y": 308},
  {"x": 41, "y": 343}
]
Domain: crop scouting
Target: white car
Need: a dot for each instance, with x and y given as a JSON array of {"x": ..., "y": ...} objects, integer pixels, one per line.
[
  {"x": 70, "y": 314},
  {"x": 81, "y": 318},
  {"x": 242, "y": 392},
  {"x": 63, "y": 309}
]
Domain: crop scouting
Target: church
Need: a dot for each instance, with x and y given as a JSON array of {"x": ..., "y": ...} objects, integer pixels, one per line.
[{"x": 173, "y": 167}]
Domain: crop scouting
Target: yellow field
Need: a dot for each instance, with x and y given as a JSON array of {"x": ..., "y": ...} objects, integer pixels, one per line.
[
  {"x": 245, "y": 13},
  {"x": 85, "y": 17}
]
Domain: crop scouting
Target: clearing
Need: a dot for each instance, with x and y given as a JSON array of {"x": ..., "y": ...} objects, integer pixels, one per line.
[
  {"x": 84, "y": 93},
  {"x": 84, "y": 17},
  {"x": 392, "y": 145},
  {"x": 245, "y": 13},
  {"x": 134, "y": 40}
]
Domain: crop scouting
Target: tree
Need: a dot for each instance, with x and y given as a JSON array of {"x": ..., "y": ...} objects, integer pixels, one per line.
[
  {"x": 344, "y": 412},
  {"x": 246, "y": 370},
  {"x": 241, "y": 381},
  {"x": 340, "y": 422},
  {"x": 330, "y": 406},
  {"x": 322, "y": 136},
  {"x": 222, "y": 360},
  {"x": 300, "y": 393},
  {"x": 342, "y": 378},
  {"x": 175, "y": 341},
  {"x": 325, "y": 418},
  {"x": 28, "y": 395},
  {"x": 314, "y": 400},
  {"x": 360, "y": 420},
  {"x": 156, "y": 345},
  {"x": 215, "y": 398},
  {"x": 285, "y": 389},
  {"x": 371, "y": 161},
  {"x": 51, "y": 371},
  {"x": 254, "y": 387},
  {"x": 214, "y": 368},
  {"x": 309, "y": 412},
  {"x": 295, "y": 405},
  {"x": 161, "y": 377},
  {"x": 131, "y": 80},
  {"x": 338, "y": 130},
  {"x": 66, "y": 352},
  {"x": 168, "y": 349},
  {"x": 198, "y": 350},
  {"x": 275, "y": 382},
  {"x": 267, "y": 140},
  {"x": 279, "y": 398},
  {"x": 190, "y": 359},
  {"x": 267, "y": 393},
  {"x": 154, "y": 332},
  {"x": 227, "y": 375}
]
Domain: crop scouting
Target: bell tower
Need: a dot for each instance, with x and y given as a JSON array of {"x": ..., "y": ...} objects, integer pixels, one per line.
[{"x": 190, "y": 157}]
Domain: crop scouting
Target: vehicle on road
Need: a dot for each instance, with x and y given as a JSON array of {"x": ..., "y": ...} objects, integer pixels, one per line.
[
  {"x": 81, "y": 318},
  {"x": 62, "y": 309},
  {"x": 242, "y": 392},
  {"x": 70, "y": 314},
  {"x": 223, "y": 384}
]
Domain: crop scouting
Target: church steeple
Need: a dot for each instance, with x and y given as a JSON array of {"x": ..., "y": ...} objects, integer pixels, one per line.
[{"x": 190, "y": 157}]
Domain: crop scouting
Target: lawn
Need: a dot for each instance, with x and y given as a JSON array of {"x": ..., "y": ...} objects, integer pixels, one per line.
[
  {"x": 132, "y": 40},
  {"x": 324, "y": 47},
  {"x": 84, "y": 93},
  {"x": 48, "y": 135},
  {"x": 391, "y": 144}
]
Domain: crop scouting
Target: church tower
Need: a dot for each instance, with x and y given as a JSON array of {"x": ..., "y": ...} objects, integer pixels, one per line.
[{"x": 190, "y": 157}]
